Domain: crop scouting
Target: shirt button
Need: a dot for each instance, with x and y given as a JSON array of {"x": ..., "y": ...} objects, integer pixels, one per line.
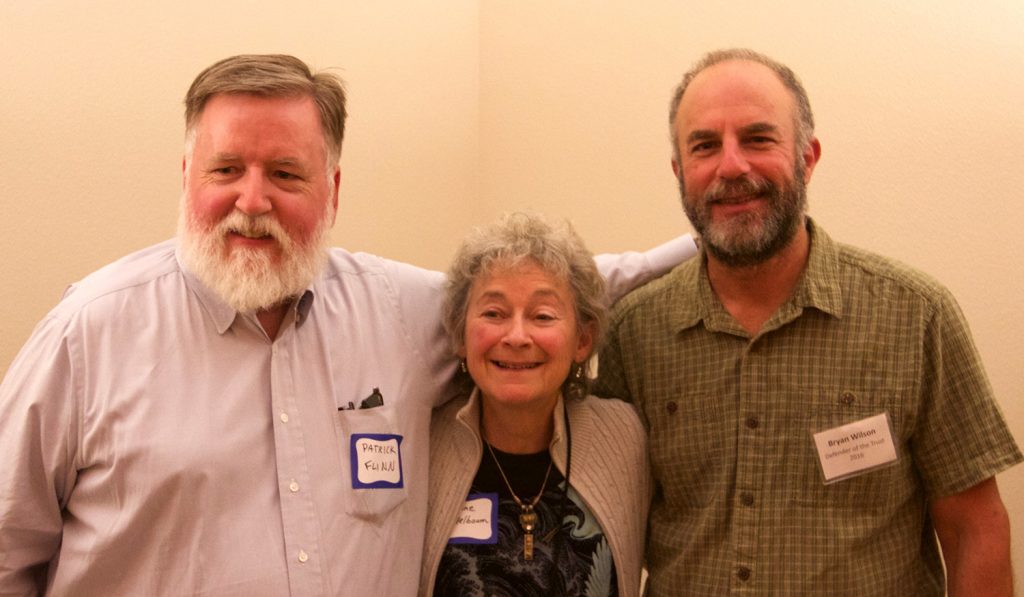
[
  {"x": 284, "y": 417},
  {"x": 747, "y": 499},
  {"x": 671, "y": 407},
  {"x": 293, "y": 486},
  {"x": 743, "y": 573},
  {"x": 752, "y": 423},
  {"x": 303, "y": 556}
]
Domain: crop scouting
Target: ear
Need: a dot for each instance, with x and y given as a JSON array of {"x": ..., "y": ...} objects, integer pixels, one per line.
[
  {"x": 184, "y": 171},
  {"x": 585, "y": 343},
  {"x": 811, "y": 155},
  {"x": 334, "y": 198},
  {"x": 675, "y": 168}
]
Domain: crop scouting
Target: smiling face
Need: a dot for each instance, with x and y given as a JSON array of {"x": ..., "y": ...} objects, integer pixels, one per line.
[
  {"x": 522, "y": 336},
  {"x": 258, "y": 198},
  {"x": 742, "y": 176}
]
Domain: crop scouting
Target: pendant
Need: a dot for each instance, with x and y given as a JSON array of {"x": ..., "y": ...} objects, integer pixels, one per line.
[{"x": 527, "y": 520}]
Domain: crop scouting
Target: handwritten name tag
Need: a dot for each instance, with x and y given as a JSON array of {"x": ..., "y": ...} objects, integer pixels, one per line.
[
  {"x": 478, "y": 520},
  {"x": 376, "y": 460},
  {"x": 855, "y": 448}
]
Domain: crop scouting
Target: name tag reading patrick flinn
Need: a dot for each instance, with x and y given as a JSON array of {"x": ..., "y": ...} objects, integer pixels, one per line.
[
  {"x": 855, "y": 448},
  {"x": 376, "y": 460}
]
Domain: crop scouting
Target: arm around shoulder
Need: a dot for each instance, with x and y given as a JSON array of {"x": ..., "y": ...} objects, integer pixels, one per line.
[
  {"x": 974, "y": 531},
  {"x": 625, "y": 271}
]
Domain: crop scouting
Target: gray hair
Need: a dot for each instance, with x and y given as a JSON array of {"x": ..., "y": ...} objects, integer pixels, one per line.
[
  {"x": 525, "y": 237},
  {"x": 271, "y": 75},
  {"x": 804, "y": 124}
]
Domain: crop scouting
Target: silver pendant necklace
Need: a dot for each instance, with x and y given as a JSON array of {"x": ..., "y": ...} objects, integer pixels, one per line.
[{"x": 527, "y": 515}]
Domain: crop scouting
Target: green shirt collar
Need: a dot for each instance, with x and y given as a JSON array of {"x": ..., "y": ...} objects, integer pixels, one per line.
[{"x": 818, "y": 288}]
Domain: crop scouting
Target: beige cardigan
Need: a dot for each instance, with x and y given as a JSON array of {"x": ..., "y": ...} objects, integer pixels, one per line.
[{"x": 609, "y": 472}]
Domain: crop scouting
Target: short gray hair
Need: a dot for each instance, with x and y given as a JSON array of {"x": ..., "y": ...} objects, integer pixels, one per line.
[
  {"x": 528, "y": 237},
  {"x": 272, "y": 75},
  {"x": 804, "y": 124}
]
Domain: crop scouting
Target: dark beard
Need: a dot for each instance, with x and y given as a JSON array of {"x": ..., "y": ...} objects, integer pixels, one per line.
[{"x": 753, "y": 239}]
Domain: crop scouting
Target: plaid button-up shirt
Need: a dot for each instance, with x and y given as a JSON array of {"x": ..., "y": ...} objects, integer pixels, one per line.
[{"x": 740, "y": 504}]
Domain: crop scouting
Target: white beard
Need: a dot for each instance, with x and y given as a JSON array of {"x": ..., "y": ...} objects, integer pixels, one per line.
[{"x": 248, "y": 279}]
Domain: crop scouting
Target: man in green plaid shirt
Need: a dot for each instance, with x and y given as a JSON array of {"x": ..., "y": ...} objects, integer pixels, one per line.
[{"x": 820, "y": 421}]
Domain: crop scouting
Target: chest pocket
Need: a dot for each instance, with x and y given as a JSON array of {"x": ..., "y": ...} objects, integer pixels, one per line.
[
  {"x": 875, "y": 487},
  {"x": 372, "y": 450},
  {"x": 690, "y": 447}
]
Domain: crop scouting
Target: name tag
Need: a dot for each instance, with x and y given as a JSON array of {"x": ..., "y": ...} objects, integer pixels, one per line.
[
  {"x": 376, "y": 460},
  {"x": 855, "y": 448},
  {"x": 478, "y": 520}
]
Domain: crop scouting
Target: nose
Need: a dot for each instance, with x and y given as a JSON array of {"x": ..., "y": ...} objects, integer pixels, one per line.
[
  {"x": 253, "y": 194},
  {"x": 733, "y": 163},
  {"x": 516, "y": 333}
]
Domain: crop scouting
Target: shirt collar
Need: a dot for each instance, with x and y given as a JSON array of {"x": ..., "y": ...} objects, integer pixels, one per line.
[
  {"x": 817, "y": 288},
  {"x": 224, "y": 315},
  {"x": 470, "y": 414}
]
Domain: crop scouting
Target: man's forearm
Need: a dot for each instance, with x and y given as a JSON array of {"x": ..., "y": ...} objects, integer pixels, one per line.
[{"x": 974, "y": 531}]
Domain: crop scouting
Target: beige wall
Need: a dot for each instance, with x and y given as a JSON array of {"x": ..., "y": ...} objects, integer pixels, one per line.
[{"x": 462, "y": 110}]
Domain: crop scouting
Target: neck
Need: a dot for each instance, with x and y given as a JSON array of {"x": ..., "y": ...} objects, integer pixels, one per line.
[
  {"x": 752, "y": 294},
  {"x": 272, "y": 318},
  {"x": 517, "y": 429}
]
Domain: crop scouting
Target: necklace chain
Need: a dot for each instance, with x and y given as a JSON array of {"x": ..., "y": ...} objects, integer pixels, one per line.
[{"x": 527, "y": 517}]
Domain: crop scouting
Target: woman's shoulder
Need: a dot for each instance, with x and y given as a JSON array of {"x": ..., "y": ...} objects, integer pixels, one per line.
[
  {"x": 610, "y": 418},
  {"x": 609, "y": 442},
  {"x": 609, "y": 406},
  {"x": 445, "y": 420}
]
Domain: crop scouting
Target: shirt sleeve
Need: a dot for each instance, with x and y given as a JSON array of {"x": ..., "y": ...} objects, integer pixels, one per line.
[
  {"x": 611, "y": 376},
  {"x": 419, "y": 294},
  {"x": 36, "y": 440},
  {"x": 625, "y": 271},
  {"x": 961, "y": 438}
]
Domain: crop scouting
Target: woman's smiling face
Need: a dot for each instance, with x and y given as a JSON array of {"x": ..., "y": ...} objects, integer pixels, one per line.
[{"x": 522, "y": 335}]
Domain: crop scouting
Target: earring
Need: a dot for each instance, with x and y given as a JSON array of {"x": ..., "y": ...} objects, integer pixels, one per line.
[
  {"x": 578, "y": 375},
  {"x": 462, "y": 365}
]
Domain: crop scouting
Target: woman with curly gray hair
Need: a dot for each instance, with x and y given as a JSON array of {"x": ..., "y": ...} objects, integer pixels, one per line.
[{"x": 536, "y": 488}]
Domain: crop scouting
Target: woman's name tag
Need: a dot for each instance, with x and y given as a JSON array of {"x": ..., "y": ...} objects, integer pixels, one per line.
[{"x": 478, "y": 520}]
